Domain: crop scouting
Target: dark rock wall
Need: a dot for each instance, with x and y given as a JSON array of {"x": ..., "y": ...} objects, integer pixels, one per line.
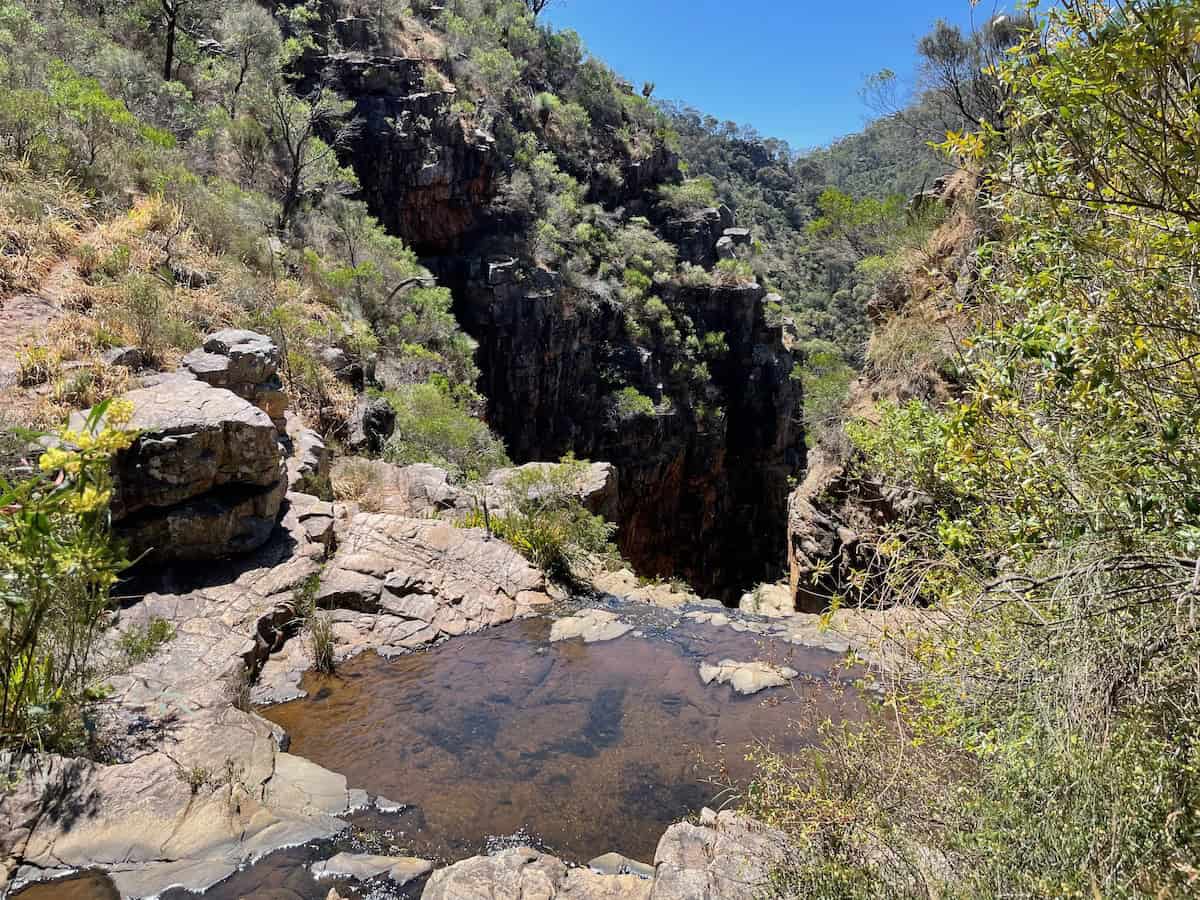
[{"x": 703, "y": 500}]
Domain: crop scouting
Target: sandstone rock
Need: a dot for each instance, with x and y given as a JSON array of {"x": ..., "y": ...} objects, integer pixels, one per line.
[
  {"x": 197, "y": 788},
  {"x": 617, "y": 864},
  {"x": 373, "y": 423},
  {"x": 727, "y": 857},
  {"x": 668, "y": 595},
  {"x": 203, "y": 480},
  {"x": 746, "y": 677},
  {"x": 417, "y": 492},
  {"x": 774, "y": 600},
  {"x": 384, "y": 805},
  {"x": 246, "y": 363},
  {"x": 309, "y": 461},
  {"x": 596, "y": 488},
  {"x": 125, "y": 357},
  {"x": 528, "y": 874},
  {"x": 592, "y": 625},
  {"x": 362, "y": 867},
  {"x": 407, "y": 582}
]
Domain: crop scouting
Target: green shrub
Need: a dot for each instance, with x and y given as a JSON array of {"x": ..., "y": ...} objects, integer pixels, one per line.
[
  {"x": 826, "y": 379},
  {"x": 434, "y": 426},
  {"x": 545, "y": 520},
  {"x": 630, "y": 403},
  {"x": 59, "y": 560},
  {"x": 689, "y": 197},
  {"x": 734, "y": 273},
  {"x": 140, "y": 643}
]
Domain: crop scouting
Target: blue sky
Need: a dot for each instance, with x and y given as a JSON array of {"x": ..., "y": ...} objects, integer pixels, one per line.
[{"x": 791, "y": 68}]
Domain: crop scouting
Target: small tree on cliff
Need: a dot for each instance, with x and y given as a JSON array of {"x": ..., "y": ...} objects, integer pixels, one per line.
[{"x": 308, "y": 164}]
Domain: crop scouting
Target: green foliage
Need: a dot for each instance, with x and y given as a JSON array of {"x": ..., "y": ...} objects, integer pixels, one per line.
[
  {"x": 138, "y": 644},
  {"x": 544, "y": 519},
  {"x": 59, "y": 561},
  {"x": 826, "y": 377},
  {"x": 865, "y": 224},
  {"x": 690, "y": 197},
  {"x": 1053, "y": 681},
  {"x": 630, "y": 403},
  {"x": 433, "y": 425}
]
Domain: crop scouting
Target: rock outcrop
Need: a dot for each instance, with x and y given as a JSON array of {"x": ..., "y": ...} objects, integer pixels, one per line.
[
  {"x": 725, "y": 857},
  {"x": 246, "y": 363},
  {"x": 194, "y": 788},
  {"x": 423, "y": 491},
  {"x": 704, "y": 499},
  {"x": 523, "y": 872},
  {"x": 205, "y": 478},
  {"x": 425, "y": 172}
]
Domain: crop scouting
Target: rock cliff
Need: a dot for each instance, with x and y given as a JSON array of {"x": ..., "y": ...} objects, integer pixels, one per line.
[{"x": 703, "y": 481}]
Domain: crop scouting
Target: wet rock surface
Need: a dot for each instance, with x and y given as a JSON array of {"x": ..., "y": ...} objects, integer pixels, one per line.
[{"x": 194, "y": 787}]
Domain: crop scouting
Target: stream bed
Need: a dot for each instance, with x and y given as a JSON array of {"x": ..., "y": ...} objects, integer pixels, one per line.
[{"x": 504, "y": 738}]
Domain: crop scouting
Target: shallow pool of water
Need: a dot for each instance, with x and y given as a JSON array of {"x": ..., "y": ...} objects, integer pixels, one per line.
[
  {"x": 580, "y": 748},
  {"x": 503, "y": 738}
]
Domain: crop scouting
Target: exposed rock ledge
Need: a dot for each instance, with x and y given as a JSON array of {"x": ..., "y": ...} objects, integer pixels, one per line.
[{"x": 197, "y": 787}]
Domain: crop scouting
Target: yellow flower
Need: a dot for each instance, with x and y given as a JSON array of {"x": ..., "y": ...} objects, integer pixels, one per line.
[
  {"x": 57, "y": 459},
  {"x": 90, "y": 500}
]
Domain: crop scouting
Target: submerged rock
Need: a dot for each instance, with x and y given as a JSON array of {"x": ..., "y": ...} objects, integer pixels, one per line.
[
  {"x": 746, "y": 677},
  {"x": 363, "y": 866}
]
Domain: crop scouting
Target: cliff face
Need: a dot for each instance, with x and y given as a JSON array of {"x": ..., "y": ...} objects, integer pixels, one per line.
[
  {"x": 837, "y": 515},
  {"x": 426, "y": 173},
  {"x": 703, "y": 493},
  {"x": 703, "y": 498}
]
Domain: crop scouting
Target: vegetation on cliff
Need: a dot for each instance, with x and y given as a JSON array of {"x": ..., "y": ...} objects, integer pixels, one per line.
[{"x": 1045, "y": 743}]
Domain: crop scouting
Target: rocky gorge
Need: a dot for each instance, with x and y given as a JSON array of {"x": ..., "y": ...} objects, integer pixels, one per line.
[
  {"x": 192, "y": 784},
  {"x": 704, "y": 497}
]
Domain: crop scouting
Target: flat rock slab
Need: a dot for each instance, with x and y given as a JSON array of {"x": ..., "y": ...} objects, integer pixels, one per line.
[
  {"x": 199, "y": 787},
  {"x": 397, "y": 584},
  {"x": 592, "y": 625},
  {"x": 363, "y": 867},
  {"x": 746, "y": 677}
]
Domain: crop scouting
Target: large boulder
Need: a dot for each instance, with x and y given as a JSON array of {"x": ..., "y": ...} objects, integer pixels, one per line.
[
  {"x": 373, "y": 423},
  {"x": 203, "y": 480},
  {"x": 726, "y": 857},
  {"x": 246, "y": 363}
]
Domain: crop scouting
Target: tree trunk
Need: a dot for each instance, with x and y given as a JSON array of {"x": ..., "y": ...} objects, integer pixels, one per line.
[{"x": 172, "y": 14}]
